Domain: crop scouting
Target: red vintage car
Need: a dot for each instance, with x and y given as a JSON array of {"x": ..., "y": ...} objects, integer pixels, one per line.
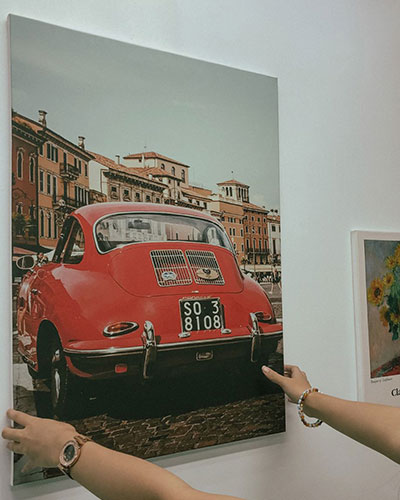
[{"x": 138, "y": 289}]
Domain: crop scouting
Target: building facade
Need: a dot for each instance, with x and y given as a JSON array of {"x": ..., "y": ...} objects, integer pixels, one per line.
[
  {"x": 26, "y": 143},
  {"x": 62, "y": 179}
]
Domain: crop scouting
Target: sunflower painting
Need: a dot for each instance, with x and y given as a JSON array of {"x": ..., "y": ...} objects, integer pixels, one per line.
[{"x": 382, "y": 272}]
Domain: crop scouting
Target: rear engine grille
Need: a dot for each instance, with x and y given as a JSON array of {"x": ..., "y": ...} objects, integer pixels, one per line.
[
  {"x": 170, "y": 267},
  {"x": 205, "y": 267}
]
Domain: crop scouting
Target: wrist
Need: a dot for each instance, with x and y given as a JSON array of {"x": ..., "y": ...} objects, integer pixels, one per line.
[{"x": 311, "y": 404}]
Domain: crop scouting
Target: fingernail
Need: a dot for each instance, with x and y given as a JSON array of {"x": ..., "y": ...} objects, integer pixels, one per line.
[{"x": 265, "y": 369}]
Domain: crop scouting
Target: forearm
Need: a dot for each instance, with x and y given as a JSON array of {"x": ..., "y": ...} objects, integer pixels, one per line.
[
  {"x": 376, "y": 426},
  {"x": 115, "y": 476}
]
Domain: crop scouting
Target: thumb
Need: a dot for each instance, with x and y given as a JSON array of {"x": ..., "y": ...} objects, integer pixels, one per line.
[{"x": 272, "y": 375}]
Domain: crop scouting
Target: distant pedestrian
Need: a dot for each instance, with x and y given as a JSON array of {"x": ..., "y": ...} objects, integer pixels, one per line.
[{"x": 41, "y": 259}]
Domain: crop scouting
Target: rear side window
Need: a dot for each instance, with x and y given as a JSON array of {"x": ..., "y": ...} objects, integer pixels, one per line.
[{"x": 75, "y": 248}]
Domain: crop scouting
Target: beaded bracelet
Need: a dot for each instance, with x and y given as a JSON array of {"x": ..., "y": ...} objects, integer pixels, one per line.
[{"x": 300, "y": 408}]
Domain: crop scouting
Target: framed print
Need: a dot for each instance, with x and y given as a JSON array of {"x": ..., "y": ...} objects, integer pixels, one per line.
[
  {"x": 376, "y": 276},
  {"x": 146, "y": 244}
]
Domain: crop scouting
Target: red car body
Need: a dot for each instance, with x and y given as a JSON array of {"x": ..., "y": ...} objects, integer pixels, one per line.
[{"x": 165, "y": 295}]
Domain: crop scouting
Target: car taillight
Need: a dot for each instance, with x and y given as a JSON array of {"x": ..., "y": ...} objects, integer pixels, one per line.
[
  {"x": 120, "y": 368},
  {"x": 120, "y": 328}
]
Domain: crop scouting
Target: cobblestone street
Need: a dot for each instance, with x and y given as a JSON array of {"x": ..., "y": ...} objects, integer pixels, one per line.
[{"x": 164, "y": 416}]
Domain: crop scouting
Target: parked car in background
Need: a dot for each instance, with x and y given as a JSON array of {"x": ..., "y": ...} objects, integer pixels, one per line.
[{"x": 140, "y": 290}]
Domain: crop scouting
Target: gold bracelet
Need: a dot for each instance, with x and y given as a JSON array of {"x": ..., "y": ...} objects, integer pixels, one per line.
[{"x": 300, "y": 408}]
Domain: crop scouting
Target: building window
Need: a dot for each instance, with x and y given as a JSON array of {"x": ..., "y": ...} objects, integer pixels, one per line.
[
  {"x": 259, "y": 230},
  {"x": 273, "y": 228},
  {"x": 49, "y": 224},
  {"x": 127, "y": 195},
  {"x": 41, "y": 223},
  {"x": 54, "y": 186},
  {"x": 137, "y": 196},
  {"x": 51, "y": 152},
  {"x": 86, "y": 169},
  {"x": 252, "y": 218},
  {"x": 55, "y": 231},
  {"x": 48, "y": 184},
  {"x": 162, "y": 166},
  {"x": 173, "y": 171},
  {"x": 80, "y": 166},
  {"x": 41, "y": 181},
  {"x": 242, "y": 247},
  {"x": 234, "y": 231},
  {"x": 114, "y": 192},
  {"x": 20, "y": 164},
  {"x": 247, "y": 229},
  {"x": 41, "y": 149},
  {"x": 157, "y": 200},
  {"x": 183, "y": 175},
  {"x": 147, "y": 198},
  {"x": 205, "y": 205},
  {"x": 241, "y": 232},
  {"x": 32, "y": 169},
  {"x": 19, "y": 208},
  {"x": 65, "y": 158}
]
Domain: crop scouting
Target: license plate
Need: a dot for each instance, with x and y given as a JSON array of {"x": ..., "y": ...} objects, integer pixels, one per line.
[{"x": 201, "y": 314}]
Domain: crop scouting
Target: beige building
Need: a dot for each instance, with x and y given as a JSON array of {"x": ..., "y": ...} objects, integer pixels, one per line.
[{"x": 116, "y": 182}]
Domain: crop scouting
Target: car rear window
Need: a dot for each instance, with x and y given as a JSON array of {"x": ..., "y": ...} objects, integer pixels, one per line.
[{"x": 124, "y": 229}]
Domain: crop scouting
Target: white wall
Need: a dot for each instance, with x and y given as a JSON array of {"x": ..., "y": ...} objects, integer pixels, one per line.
[{"x": 339, "y": 99}]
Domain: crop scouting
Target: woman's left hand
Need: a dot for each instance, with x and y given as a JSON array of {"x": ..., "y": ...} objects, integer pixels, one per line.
[{"x": 40, "y": 439}]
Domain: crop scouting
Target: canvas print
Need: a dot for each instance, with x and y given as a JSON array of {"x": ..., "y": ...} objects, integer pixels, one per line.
[
  {"x": 377, "y": 287},
  {"x": 146, "y": 244}
]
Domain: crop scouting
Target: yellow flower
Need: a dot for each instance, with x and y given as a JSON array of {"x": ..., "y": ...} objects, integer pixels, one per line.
[
  {"x": 396, "y": 254},
  {"x": 388, "y": 280},
  {"x": 375, "y": 292},
  {"x": 395, "y": 318},
  {"x": 383, "y": 314},
  {"x": 391, "y": 262}
]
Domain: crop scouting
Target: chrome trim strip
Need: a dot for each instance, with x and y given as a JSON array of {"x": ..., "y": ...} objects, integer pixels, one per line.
[{"x": 115, "y": 351}]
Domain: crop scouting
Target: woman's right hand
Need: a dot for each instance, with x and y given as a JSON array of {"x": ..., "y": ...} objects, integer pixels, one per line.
[{"x": 294, "y": 382}]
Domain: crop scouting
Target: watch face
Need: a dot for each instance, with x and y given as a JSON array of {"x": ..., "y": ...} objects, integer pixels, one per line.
[{"x": 69, "y": 452}]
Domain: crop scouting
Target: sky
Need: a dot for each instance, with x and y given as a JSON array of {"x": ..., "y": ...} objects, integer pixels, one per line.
[{"x": 124, "y": 98}]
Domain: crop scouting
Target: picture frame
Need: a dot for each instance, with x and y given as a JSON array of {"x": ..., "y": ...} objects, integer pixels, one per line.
[{"x": 376, "y": 275}]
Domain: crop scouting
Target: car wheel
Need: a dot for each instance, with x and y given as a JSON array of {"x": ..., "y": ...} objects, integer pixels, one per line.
[{"x": 63, "y": 385}]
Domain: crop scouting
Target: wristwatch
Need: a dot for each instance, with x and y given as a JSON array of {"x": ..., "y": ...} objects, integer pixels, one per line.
[{"x": 70, "y": 453}]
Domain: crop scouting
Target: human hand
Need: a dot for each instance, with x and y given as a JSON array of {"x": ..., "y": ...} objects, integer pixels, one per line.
[
  {"x": 294, "y": 383},
  {"x": 40, "y": 439}
]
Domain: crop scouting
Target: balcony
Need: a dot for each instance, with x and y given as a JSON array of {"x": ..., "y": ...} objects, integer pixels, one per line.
[
  {"x": 66, "y": 203},
  {"x": 69, "y": 172}
]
